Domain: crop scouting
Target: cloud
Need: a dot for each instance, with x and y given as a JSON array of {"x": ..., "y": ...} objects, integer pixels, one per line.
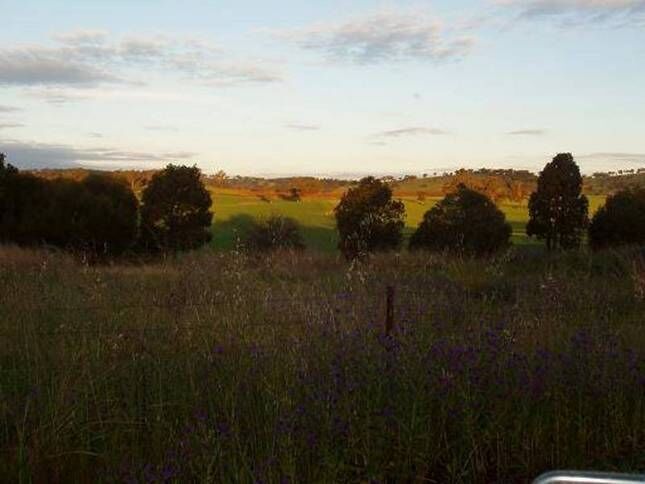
[
  {"x": 82, "y": 37},
  {"x": 414, "y": 131},
  {"x": 232, "y": 74},
  {"x": 34, "y": 66},
  {"x": 302, "y": 127},
  {"x": 58, "y": 96},
  {"x": 86, "y": 59},
  {"x": 638, "y": 158},
  {"x": 387, "y": 36},
  {"x": 94, "y": 135},
  {"x": 8, "y": 109},
  {"x": 570, "y": 12},
  {"x": 527, "y": 132},
  {"x": 162, "y": 127},
  {"x": 208, "y": 66},
  {"x": 11, "y": 125},
  {"x": 32, "y": 155}
]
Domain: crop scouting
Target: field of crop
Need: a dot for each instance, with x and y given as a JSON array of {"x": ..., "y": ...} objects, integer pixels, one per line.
[
  {"x": 234, "y": 211},
  {"x": 221, "y": 367}
]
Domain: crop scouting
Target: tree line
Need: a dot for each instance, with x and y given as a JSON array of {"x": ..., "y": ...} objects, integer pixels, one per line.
[
  {"x": 468, "y": 221},
  {"x": 100, "y": 214}
]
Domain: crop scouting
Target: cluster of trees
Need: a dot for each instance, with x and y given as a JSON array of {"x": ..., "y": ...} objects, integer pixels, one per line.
[
  {"x": 306, "y": 185},
  {"x": 369, "y": 219},
  {"x": 101, "y": 215},
  {"x": 495, "y": 184},
  {"x": 468, "y": 221},
  {"x": 612, "y": 182}
]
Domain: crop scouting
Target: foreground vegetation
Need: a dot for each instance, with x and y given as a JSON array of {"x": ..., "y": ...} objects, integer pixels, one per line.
[{"x": 227, "y": 368}]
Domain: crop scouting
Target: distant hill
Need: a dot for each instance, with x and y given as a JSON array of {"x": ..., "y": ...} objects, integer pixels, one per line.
[{"x": 499, "y": 184}]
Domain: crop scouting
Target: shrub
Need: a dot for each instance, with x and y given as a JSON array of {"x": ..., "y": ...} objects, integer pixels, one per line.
[
  {"x": 464, "y": 221},
  {"x": 175, "y": 211},
  {"x": 368, "y": 219},
  {"x": 275, "y": 232},
  {"x": 621, "y": 221}
]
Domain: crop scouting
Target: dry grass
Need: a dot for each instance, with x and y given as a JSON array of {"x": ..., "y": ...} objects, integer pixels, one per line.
[{"x": 228, "y": 368}]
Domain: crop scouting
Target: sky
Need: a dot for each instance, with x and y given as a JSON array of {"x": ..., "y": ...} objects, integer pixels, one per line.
[{"x": 325, "y": 87}]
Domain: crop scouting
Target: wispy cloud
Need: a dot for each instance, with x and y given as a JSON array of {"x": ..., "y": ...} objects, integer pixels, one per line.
[
  {"x": 8, "y": 109},
  {"x": 83, "y": 37},
  {"x": 58, "y": 96},
  {"x": 32, "y": 66},
  {"x": 35, "y": 155},
  {"x": 302, "y": 127},
  {"x": 619, "y": 12},
  {"x": 412, "y": 131},
  {"x": 162, "y": 127},
  {"x": 83, "y": 59},
  {"x": 528, "y": 132},
  {"x": 11, "y": 125},
  {"x": 388, "y": 36},
  {"x": 617, "y": 156}
]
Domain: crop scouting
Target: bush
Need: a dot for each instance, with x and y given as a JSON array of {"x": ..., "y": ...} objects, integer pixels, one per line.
[
  {"x": 175, "y": 211},
  {"x": 368, "y": 219},
  {"x": 276, "y": 232},
  {"x": 464, "y": 221},
  {"x": 621, "y": 221}
]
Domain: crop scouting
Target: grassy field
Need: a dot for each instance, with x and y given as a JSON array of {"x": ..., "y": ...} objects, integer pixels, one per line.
[
  {"x": 220, "y": 367},
  {"x": 234, "y": 211}
]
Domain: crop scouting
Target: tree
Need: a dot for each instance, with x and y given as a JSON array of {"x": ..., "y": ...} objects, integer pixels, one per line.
[
  {"x": 108, "y": 222},
  {"x": 558, "y": 210},
  {"x": 175, "y": 210},
  {"x": 368, "y": 219},
  {"x": 275, "y": 232},
  {"x": 98, "y": 214},
  {"x": 295, "y": 194},
  {"x": 22, "y": 199},
  {"x": 465, "y": 221},
  {"x": 621, "y": 221}
]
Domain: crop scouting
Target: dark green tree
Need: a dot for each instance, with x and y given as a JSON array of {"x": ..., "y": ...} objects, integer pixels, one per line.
[
  {"x": 368, "y": 219},
  {"x": 465, "y": 221},
  {"x": 621, "y": 221},
  {"x": 275, "y": 232},
  {"x": 98, "y": 214},
  {"x": 558, "y": 210},
  {"x": 175, "y": 210},
  {"x": 22, "y": 200},
  {"x": 106, "y": 215}
]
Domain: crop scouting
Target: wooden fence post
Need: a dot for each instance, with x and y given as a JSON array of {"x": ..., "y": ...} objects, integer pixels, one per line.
[{"x": 389, "y": 311}]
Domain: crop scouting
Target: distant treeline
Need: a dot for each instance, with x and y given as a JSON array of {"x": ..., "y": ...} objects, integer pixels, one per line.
[
  {"x": 170, "y": 210},
  {"x": 497, "y": 184}
]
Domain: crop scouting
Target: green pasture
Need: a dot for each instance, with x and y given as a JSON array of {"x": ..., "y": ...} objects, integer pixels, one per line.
[{"x": 233, "y": 214}]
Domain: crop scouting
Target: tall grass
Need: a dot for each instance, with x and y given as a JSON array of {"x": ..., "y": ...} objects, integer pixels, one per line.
[{"x": 226, "y": 368}]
